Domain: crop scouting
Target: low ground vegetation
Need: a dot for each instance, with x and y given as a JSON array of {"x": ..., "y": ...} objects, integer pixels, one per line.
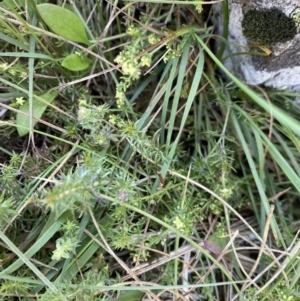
[{"x": 134, "y": 166}]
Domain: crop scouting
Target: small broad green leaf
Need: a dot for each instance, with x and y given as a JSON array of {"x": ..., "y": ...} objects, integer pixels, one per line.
[
  {"x": 215, "y": 244},
  {"x": 63, "y": 22},
  {"x": 129, "y": 296},
  {"x": 39, "y": 108},
  {"x": 75, "y": 62}
]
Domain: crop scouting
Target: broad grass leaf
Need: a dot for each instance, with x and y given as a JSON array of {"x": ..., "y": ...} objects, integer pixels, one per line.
[
  {"x": 63, "y": 22},
  {"x": 39, "y": 108},
  {"x": 12, "y": 4},
  {"x": 17, "y": 4},
  {"x": 75, "y": 62}
]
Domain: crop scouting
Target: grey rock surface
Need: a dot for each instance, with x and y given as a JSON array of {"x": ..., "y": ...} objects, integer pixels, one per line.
[{"x": 281, "y": 69}]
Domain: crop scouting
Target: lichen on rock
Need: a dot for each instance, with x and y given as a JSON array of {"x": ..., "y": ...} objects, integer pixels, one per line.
[
  {"x": 295, "y": 15},
  {"x": 268, "y": 26}
]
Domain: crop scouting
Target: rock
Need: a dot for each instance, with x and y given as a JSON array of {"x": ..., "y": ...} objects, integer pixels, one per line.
[{"x": 280, "y": 69}]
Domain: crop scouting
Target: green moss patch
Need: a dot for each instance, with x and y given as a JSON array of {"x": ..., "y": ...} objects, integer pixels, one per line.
[{"x": 268, "y": 26}]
